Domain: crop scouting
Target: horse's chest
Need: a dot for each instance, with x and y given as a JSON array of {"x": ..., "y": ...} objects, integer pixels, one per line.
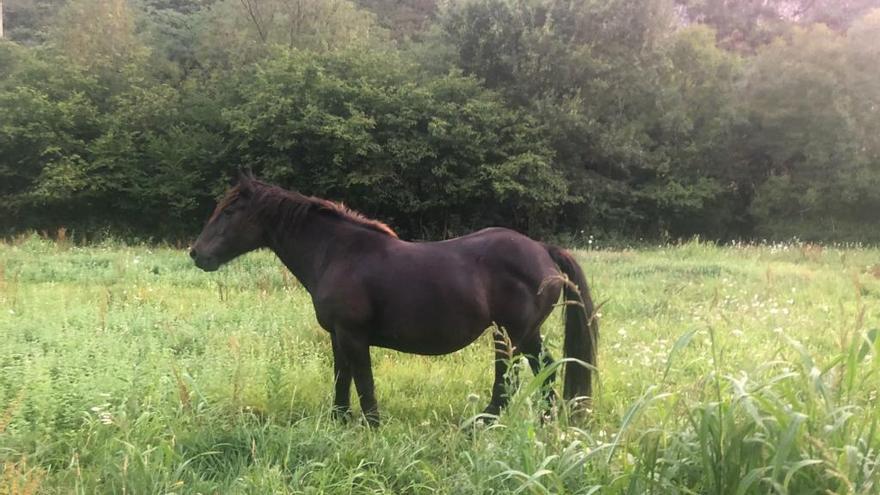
[{"x": 341, "y": 308}]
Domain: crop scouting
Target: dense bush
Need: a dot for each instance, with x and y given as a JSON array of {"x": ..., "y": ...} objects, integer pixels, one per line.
[{"x": 620, "y": 117}]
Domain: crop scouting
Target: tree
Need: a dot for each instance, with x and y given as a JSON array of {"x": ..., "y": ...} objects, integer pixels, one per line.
[
  {"x": 98, "y": 34},
  {"x": 444, "y": 154},
  {"x": 636, "y": 115},
  {"x": 632, "y": 117},
  {"x": 743, "y": 26},
  {"x": 405, "y": 19},
  {"x": 27, "y": 21},
  {"x": 236, "y": 32},
  {"x": 46, "y": 122},
  {"x": 820, "y": 167},
  {"x": 839, "y": 15}
]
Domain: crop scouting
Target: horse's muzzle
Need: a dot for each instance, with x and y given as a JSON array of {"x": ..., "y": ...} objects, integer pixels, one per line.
[{"x": 206, "y": 263}]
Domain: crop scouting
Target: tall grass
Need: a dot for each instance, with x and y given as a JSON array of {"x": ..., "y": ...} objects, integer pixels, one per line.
[{"x": 729, "y": 370}]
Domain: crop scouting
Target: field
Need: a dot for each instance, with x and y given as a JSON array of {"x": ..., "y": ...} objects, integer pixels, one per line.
[{"x": 724, "y": 370}]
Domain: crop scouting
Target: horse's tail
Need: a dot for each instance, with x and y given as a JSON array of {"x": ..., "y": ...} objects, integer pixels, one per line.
[{"x": 581, "y": 326}]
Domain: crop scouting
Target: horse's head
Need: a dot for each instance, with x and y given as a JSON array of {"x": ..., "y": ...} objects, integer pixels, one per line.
[{"x": 232, "y": 230}]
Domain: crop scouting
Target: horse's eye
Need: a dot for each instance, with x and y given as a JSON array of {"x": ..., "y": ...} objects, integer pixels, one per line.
[{"x": 228, "y": 211}]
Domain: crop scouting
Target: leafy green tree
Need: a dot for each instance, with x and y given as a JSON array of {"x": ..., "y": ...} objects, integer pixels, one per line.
[
  {"x": 405, "y": 19},
  {"x": 743, "y": 26},
  {"x": 46, "y": 122},
  {"x": 862, "y": 56},
  {"x": 839, "y": 15},
  {"x": 637, "y": 117},
  {"x": 98, "y": 34},
  {"x": 691, "y": 185},
  {"x": 169, "y": 27},
  {"x": 658, "y": 117},
  {"x": 232, "y": 33},
  {"x": 805, "y": 130},
  {"x": 442, "y": 155},
  {"x": 27, "y": 21}
]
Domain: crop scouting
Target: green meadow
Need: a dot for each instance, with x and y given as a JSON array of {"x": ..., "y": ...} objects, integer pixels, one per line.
[{"x": 724, "y": 370}]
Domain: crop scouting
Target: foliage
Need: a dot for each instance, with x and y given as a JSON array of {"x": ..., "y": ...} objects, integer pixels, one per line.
[
  {"x": 405, "y": 18},
  {"x": 28, "y": 21},
  {"x": 415, "y": 152},
  {"x": 822, "y": 167},
  {"x": 637, "y": 139},
  {"x": 745, "y": 26},
  {"x": 620, "y": 117},
  {"x": 233, "y": 33}
]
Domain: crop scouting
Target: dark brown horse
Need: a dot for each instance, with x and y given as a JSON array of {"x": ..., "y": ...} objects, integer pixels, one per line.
[{"x": 370, "y": 288}]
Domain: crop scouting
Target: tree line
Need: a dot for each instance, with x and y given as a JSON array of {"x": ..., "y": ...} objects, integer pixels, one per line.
[{"x": 629, "y": 118}]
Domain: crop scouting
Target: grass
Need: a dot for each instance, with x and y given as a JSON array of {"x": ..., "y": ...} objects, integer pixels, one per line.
[{"x": 728, "y": 370}]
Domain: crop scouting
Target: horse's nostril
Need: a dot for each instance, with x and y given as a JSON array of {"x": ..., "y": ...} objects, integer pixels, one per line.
[{"x": 192, "y": 253}]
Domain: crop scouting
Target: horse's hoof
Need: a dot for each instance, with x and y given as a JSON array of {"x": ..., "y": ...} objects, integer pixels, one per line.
[
  {"x": 484, "y": 419},
  {"x": 547, "y": 417},
  {"x": 341, "y": 414},
  {"x": 549, "y": 414},
  {"x": 479, "y": 422},
  {"x": 372, "y": 419}
]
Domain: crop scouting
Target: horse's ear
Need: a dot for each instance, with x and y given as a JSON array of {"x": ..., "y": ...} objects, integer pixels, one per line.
[{"x": 245, "y": 183}]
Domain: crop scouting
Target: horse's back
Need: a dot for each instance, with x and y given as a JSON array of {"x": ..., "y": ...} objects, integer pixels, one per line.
[
  {"x": 507, "y": 268},
  {"x": 499, "y": 248}
]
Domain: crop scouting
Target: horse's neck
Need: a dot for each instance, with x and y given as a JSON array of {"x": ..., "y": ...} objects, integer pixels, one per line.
[{"x": 308, "y": 249}]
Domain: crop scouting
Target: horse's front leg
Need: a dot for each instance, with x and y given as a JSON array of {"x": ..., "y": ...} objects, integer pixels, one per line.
[
  {"x": 355, "y": 351},
  {"x": 342, "y": 381}
]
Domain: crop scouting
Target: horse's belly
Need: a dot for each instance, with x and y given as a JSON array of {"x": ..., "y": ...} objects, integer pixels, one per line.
[
  {"x": 427, "y": 339},
  {"x": 429, "y": 317},
  {"x": 423, "y": 347}
]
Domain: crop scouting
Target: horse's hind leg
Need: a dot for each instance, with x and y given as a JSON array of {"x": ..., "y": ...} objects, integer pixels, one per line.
[
  {"x": 539, "y": 360},
  {"x": 504, "y": 352},
  {"x": 355, "y": 351}
]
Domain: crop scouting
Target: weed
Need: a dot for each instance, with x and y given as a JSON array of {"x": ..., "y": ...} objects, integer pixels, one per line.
[{"x": 730, "y": 370}]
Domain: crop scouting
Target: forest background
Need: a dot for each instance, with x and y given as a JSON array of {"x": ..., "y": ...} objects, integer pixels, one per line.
[{"x": 626, "y": 119}]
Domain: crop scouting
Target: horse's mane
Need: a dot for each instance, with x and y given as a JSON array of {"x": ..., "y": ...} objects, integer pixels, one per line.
[{"x": 291, "y": 207}]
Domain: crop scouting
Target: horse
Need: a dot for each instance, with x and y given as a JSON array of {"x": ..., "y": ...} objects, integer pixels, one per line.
[{"x": 370, "y": 288}]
